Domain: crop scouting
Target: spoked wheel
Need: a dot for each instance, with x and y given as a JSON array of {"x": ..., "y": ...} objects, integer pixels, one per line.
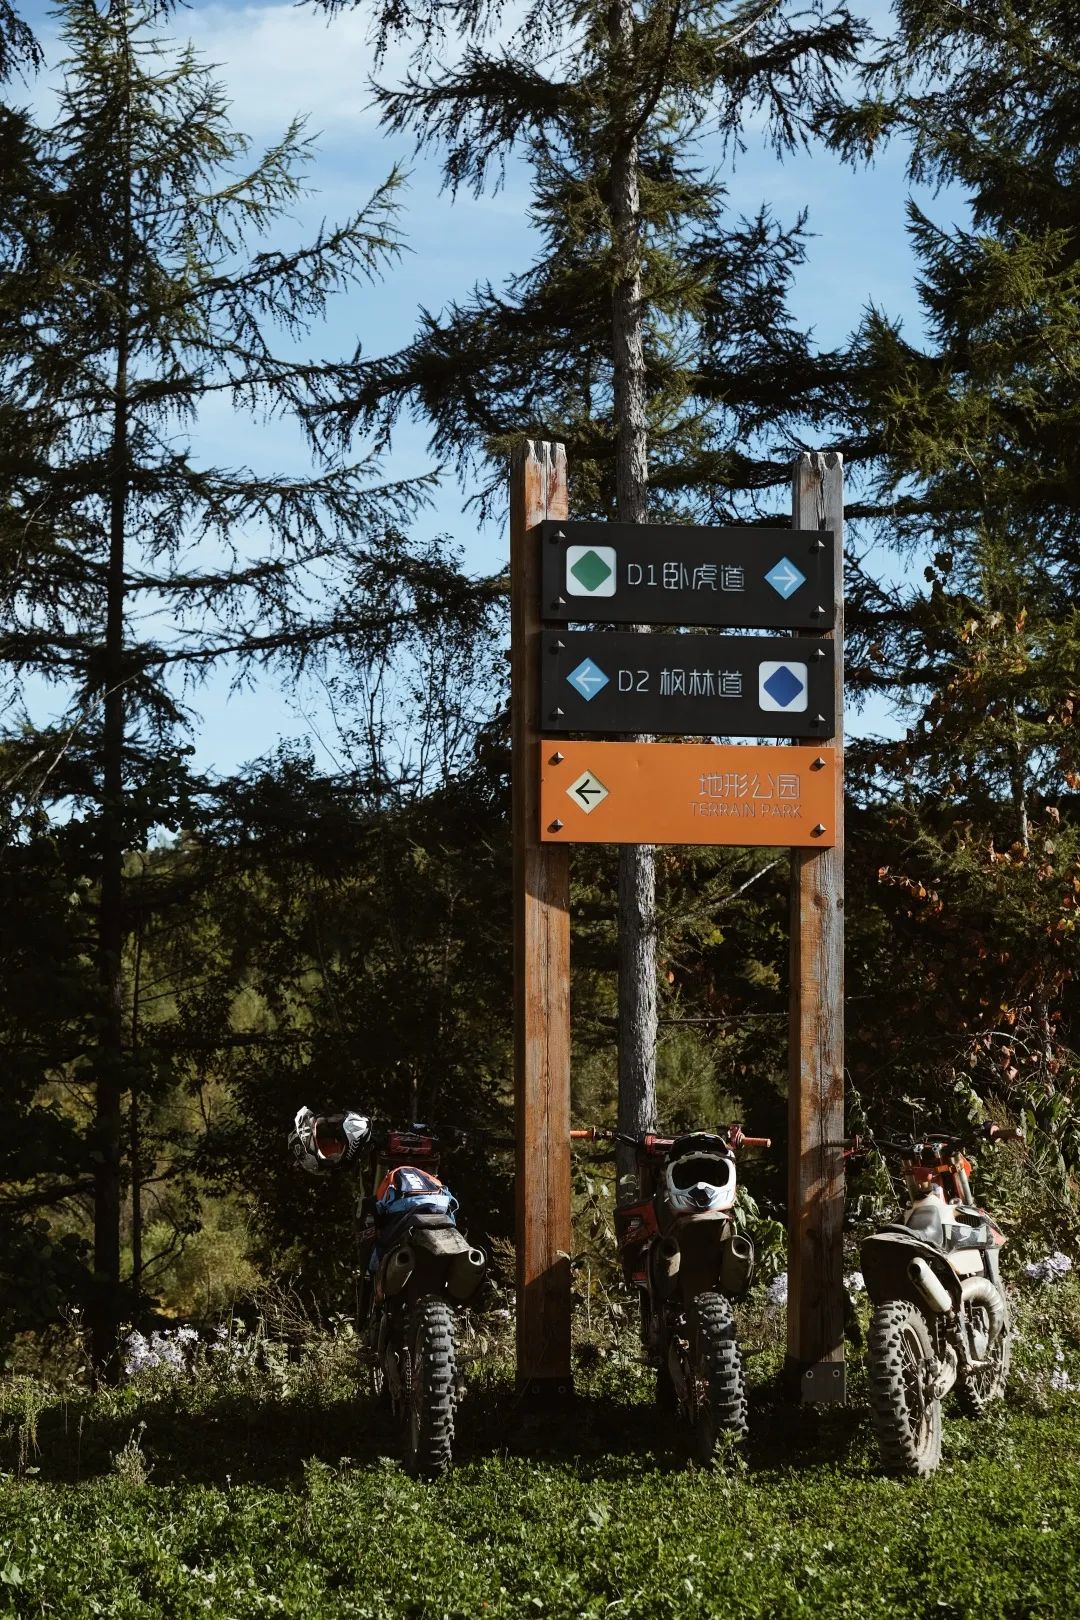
[
  {"x": 667, "y": 1401},
  {"x": 907, "y": 1418},
  {"x": 372, "y": 1354},
  {"x": 433, "y": 1368},
  {"x": 983, "y": 1386},
  {"x": 715, "y": 1388}
]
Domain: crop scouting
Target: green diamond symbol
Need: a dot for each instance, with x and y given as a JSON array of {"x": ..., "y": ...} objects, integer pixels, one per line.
[{"x": 591, "y": 571}]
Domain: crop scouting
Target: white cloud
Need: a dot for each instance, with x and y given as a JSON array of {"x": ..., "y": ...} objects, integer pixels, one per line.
[
  {"x": 283, "y": 60},
  {"x": 277, "y": 61}
]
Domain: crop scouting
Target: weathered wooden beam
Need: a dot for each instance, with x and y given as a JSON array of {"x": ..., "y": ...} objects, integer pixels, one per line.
[
  {"x": 538, "y": 490},
  {"x": 816, "y": 1037}
]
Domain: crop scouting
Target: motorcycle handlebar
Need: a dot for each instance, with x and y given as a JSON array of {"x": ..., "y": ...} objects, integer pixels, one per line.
[
  {"x": 1006, "y": 1133},
  {"x": 442, "y": 1137},
  {"x": 854, "y": 1145},
  {"x": 651, "y": 1141}
]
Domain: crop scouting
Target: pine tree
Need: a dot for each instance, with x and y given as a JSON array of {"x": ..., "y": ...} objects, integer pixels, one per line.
[
  {"x": 18, "y": 47},
  {"x": 976, "y": 429},
  {"x": 131, "y": 299},
  {"x": 651, "y": 335}
]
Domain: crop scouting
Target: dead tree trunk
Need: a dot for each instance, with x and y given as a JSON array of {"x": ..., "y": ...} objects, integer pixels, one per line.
[
  {"x": 637, "y": 866},
  {"x": 109, "y": 1079},
  {"x": 135, "y": 1124},
  {"x": 104, "y": 1320}
]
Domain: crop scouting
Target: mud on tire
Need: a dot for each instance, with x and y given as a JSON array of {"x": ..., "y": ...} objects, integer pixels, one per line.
[
  {"x": 433, "y": 1395},
  {"x": 906, "y": 1422},
  {"x": 717, "y": 1369}
]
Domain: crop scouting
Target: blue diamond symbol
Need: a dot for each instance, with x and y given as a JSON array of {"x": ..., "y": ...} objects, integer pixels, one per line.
[
  {"x": 588, "y": 679},
  {"x": 783, "y": 686},
  {"x": 785, "y": 578}
]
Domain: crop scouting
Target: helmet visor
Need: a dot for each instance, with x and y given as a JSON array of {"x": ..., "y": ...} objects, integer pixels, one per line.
[{"x": 700, "y": 1167}]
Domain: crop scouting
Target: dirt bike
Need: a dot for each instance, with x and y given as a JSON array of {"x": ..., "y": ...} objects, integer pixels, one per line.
[
  {"x": 941, "y": 1316},
  {"x": 680, "y": 1249},
  {"x": 417, "y": 1269}
]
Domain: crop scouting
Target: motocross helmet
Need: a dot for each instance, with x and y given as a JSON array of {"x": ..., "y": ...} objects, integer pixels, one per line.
[
  {"x": 331, "y": 1139},
  {"x": 698, "y": 1178}
]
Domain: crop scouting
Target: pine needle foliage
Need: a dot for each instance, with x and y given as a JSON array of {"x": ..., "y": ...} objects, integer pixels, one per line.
[
  {"x": 977, "y": 428},
  {"x": 731, "y": 382},
  {"x": 136, "y": 293},
  {"x": 651, "y": 336}
]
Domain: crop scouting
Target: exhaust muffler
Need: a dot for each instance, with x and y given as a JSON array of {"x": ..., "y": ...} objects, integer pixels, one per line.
[
  {"x": 736, "y": 1265},
  {"x": 466, "y": 1273},
  {"x": 932, "y": 1291},
  {"x": 399, "y": 1268},
  {"x": 666, "y": 1260}
]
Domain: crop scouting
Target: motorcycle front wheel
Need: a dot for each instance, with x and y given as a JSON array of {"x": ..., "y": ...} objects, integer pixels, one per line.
[
  {"x": 901, "y": 1363},
  {"x": 432, "y": 1388},
  {"x": 372, "y": 1354},
  {"x": 716, "y": 1387},
  {"x": 978, "y": 1389}
]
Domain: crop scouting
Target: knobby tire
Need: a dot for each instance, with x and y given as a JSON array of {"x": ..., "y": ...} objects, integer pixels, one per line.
[
  {"x": 906, "y": 1421},
  {"x": 717, "y": 1369},
  {"x": 433, "y": 1358}
]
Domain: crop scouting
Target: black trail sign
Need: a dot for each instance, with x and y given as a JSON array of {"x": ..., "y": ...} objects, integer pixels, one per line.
[
  {"x": 607, "y": 683},
  {"x": 651, "y": 573}
]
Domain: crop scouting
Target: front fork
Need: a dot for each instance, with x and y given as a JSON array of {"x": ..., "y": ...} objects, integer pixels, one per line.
[
  {"x": 665, "y": 1340},
  {"x": 388, "y": 1355}
]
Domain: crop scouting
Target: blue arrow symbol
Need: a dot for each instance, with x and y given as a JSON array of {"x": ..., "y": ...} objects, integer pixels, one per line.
[
  {"x": 588, "y": 679},
  {"x": 785, "y": 578}
]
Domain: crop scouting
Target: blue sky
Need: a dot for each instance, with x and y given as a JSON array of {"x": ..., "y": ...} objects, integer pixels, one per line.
[{"x": 278, "y": 60}]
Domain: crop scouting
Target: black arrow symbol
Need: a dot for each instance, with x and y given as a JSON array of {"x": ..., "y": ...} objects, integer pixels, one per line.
[{"x": 583, "y": 791}]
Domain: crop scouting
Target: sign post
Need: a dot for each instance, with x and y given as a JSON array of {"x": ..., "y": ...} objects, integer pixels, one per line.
[
  {"x": 816, "y": 1033},
  {"x": 538, "y": 491}
]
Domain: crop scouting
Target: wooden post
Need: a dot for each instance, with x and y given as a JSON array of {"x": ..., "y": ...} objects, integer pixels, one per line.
[
  {"x": 816, "y": 1033},
  {"x": 538, "y": 491}
]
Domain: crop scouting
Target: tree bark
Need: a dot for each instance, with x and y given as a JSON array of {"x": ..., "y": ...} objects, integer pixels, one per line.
[
  {"x": 637, "y": 865},
  {"x": 110, "y": 1064},
  {"x": 134, "y": 1127},
  {"x": 1018, "y": 784},
  {"x": 108, "y": 1124}
]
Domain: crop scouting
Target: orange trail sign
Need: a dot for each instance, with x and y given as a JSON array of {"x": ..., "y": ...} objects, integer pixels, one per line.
[{"x": 687, "y": 793}]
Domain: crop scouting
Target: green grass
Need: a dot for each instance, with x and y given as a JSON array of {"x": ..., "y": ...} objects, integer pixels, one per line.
[{"x": 281, "y": 1495}]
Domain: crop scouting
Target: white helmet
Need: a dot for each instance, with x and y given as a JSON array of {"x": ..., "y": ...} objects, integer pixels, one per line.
[
  {"x": 700, "y": 1180},
  {"x": 322, "y": 1140}
]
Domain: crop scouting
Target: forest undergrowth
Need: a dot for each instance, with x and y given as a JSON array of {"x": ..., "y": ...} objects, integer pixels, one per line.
[{"x": 249, "y": 1472}]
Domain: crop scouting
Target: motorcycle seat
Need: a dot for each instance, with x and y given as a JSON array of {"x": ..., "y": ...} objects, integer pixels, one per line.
[
  {"x": 397, "y": 1229},
  {"x": 926, "y": 1221}
]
